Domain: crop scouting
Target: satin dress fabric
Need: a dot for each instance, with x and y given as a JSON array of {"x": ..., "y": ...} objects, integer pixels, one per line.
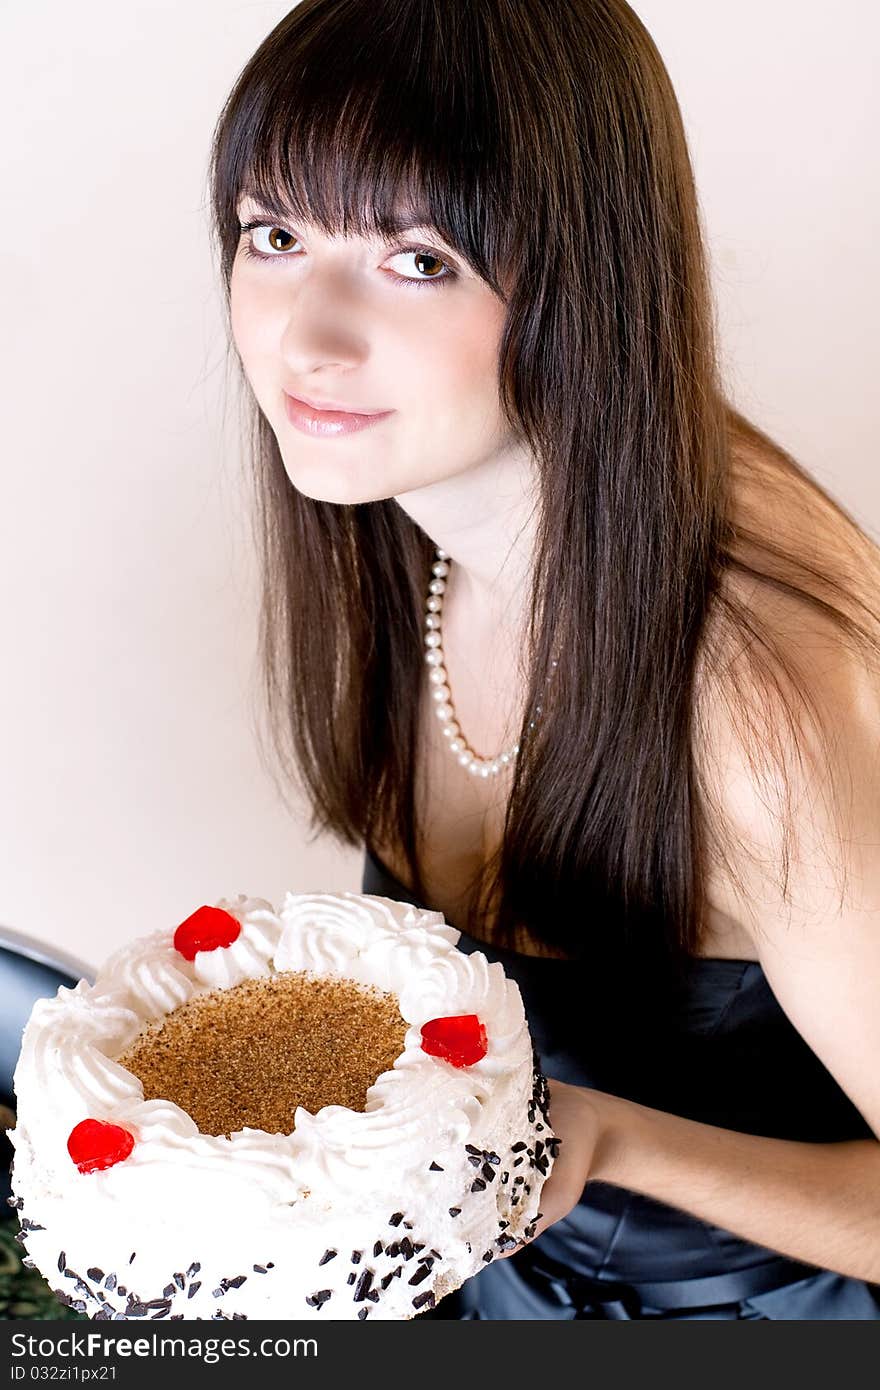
[{"x": 718, "y": 1049}]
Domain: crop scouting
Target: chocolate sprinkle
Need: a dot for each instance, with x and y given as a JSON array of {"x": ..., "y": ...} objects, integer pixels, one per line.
[
  {"x": 193, "y": 1269},
  {"x": 317, "y": 1300},
  {"x": 378, "y": 1248},
  {"x": 455, "y": 1211},
  {"x": 424, "y": 1300},
  {"x": 396, "y": 1219},
  {"x": 435, "y": 1168},
  {"x": 179, "y": 1280},
  {"x": 261, "y": 1269},
  {"x": 351, "y": 1278},
  {"x": 488, "y": 1255},
  {"x": 325, "y": 1258},
  {"x": 131, "y": 1256},
  {"x": 488, "y": 1172},
  {"x": 362, "y": 1313},
  {"x": 477, "y": 1185},
  {"x": 62, "y": 1261},
  {"x": 193, "y": 1288},
  {"x": 362, "y": 1286},
  {"x": 356, "y": 1256},
  {"x": 421, "y": 1274},
  {"x": 95, "y": 1274}
]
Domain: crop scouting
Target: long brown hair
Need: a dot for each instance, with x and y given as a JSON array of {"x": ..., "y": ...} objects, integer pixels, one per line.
[{"x": 544, "y": 141}]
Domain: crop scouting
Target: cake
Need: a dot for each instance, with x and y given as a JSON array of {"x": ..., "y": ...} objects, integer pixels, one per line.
[{"x": 329, "y": 1111}]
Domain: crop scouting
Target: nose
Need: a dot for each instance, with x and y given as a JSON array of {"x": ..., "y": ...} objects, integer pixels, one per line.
[{"x": 325, "y": 326}]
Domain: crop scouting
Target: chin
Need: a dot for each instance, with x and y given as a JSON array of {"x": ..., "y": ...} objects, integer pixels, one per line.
[{"x": 344, "y": 487}]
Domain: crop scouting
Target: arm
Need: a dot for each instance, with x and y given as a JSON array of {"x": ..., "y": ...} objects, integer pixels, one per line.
[{"x": 814, "y": 1202}]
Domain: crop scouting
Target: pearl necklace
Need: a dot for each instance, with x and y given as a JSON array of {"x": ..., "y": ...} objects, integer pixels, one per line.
[{"x": 441, "y": 693}]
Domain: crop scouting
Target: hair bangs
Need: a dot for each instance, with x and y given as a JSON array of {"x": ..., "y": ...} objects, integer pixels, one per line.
[{"x": 344, "y": 124}]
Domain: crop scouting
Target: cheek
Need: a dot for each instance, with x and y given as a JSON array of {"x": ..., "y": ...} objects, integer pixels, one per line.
[
  {"x": 460, "y": 354},
  {"x": 238, "y": 316},
  {"x": 247, "y": 321}
]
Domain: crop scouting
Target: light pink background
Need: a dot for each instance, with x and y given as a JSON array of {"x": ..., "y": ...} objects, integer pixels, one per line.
[{"x": 131, "y": 784}]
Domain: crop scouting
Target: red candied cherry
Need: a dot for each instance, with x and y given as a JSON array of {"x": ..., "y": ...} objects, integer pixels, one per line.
[
  {"x": 205, "y": 930},
  {"x": 96, "y": 1144},
  {"x": 459, "y": 1039}
]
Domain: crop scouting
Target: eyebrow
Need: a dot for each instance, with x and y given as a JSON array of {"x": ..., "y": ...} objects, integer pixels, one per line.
[{"x": 404, "y": 221}]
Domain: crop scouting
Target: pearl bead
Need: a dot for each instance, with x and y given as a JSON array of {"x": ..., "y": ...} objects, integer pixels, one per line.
[{"x": 441, "y": 692}]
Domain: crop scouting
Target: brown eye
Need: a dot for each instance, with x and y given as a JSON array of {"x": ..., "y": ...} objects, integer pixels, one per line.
[
  {"x": 428, "y": 264},
  {"x": 431, "y": 268},
  {"x": 279, "y": 233}
]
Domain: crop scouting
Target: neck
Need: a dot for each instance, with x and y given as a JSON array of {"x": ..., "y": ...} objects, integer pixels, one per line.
[{"x": 485, "y": 519}]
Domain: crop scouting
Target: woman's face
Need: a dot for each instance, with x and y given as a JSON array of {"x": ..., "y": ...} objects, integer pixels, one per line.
[{"x": 404, "y": 327}]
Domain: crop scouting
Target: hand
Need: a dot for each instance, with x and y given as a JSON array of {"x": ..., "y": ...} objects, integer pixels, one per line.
[{"x": 576, "y": 1118}]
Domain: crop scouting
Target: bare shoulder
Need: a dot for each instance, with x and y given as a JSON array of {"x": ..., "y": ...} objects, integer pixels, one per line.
[{"x": 787, "y": 728}]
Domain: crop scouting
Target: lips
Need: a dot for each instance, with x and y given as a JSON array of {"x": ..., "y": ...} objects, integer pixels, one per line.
[
  {"x": 337, "y": 407},
  {"x": 323, "y": 422}
]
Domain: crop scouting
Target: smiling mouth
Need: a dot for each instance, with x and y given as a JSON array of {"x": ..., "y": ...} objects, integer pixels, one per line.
[
  {"x": 321, "y": 422},
  {"x": 333, "y": 407}
]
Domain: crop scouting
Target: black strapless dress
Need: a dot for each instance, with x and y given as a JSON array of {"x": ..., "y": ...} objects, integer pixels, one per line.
[{"x": 719, "y": 1050}]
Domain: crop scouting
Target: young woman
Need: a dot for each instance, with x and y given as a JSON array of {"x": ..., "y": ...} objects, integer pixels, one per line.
[{"x": 581, "y": 657}]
